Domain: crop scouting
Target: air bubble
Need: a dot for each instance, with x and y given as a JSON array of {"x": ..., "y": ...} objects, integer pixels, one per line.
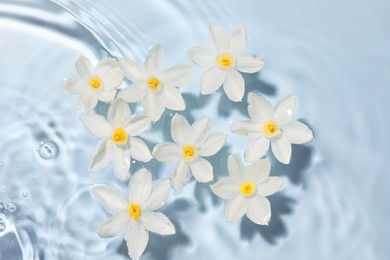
[
  {"x": 2, "y": 227},
  {"x": 11, "y": 207},
  {"x": 25, "y": 194},
  {"x": 47, "y": 151}
]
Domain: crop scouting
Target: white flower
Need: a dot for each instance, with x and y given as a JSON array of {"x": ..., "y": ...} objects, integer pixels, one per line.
[
  {"x": 192, "y": 142},
  {"x": 120, "y": 143},
  {"x": 225, "y": 62},
  {"x": 154, "y": 86},
  {"x": 246, "y": 190},
  {"x": 275, "y": 126},
  {"x": 94, "y": 84},
  {"x": 133, "y": 211}
]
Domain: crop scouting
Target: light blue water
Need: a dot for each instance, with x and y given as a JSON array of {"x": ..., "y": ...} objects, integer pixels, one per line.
[{"x": 334, "y": 55}]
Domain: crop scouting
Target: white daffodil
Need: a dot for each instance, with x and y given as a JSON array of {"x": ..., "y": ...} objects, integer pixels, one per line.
[
  {"x": 94, "y": 84},
  {"x": 154, "y": 86},
  {"x": 275, "y": 126},
  {"x": 133, "y": 211},
  {"x": 246, "y": 190},
  {"x": 224, "y": 62},
  {"x": 120, "y": 143},
  {"x": 192, "y": 142}
]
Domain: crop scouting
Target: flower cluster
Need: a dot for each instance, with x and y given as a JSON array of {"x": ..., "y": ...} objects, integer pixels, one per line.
[{"x": 157, "y": 88}]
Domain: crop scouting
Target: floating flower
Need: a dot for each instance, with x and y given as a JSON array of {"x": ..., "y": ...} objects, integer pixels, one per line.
[
  {"x": 275, "y": 126},
  {"x": 154, "y": 86},
  {"x": 94, "y": 84},
  {"x": 225, "y": 62},
  {"x": 192, "y": 142},
  {"x": 133, "y": 211},
  {"x": 246, "y": 190},
  {"x": 120, "y": 143}
]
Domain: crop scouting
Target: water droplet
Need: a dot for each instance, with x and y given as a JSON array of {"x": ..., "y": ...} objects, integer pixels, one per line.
[
  {"x": 11, "y": 207},
  {"x": 2, "y": 227},
  {"x": 47, "y": 150},
  {"x": 34, "y": 178},
  {"x": 17, "y": 98},
  {"x": 25, "y": 194}
]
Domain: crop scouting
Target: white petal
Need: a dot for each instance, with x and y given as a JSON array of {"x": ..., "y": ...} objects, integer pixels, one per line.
[
  {"x": 180, "y": 129},
  {"x": 256, "y": 149},
  {"x": 86, "y": 102},
  {"x": 213, "y": 144},
  {"x": 102, "y": 156},
  {"x": 181, "y": 176},
  {"x": 204, "y": 57},
  {"x": 159, "y": 196},
  {"x": 107, "y": 96},
  {"x": 281, "y": 148},
  {"x": 120, "y": 162},
  {"x": 234, "y": 85},
  {"x": 259, "y": 108},
  {"x": 84, "y": 67},
  {"x": 153, "y": 106},
  {"x": 118, "y": 113},
  {"x": 249, "y": 63},
  {"x": 111, "y": 198},
  {"x": 137, "y": 239},
  {"x": 297, "y": 132},
  {"x": 258, "y": 171},
  {"x": 114, "y": 226},
  {"x": 172, "y": 99},
  {"x": 157, "y": 222},
  {"x": 259, "y": 210},
  {"x": 110, "y": 73},
  {"x": 200, "y": 130},
  {"x": 212, "y": 80},
  {"x": 155, "y": 60},
  {"x": 269, "y": 186},
  {"x": 137, "y": 125},
  {"x": 134, "y": 92},
  {"x": 75, "y": 85},
  {"x": 225, "y": 188},
  {"x": 140, "y": 186},
  {"x": 236, "y": 168},
  {"x": 139, "y": 150},
  {"x": 247, "y": 128},
  {"x": 96, "y": 124},
  {"x": 237, "y": 43},
  {"x": 167, "y": 152},
  {"x": 132, "y": 70},
  {"x": 178, "y": 75},
  {"x": 285, "y": 109},
  {"x": 236, "y": 208},
  {"x": 202, "y": 170},
  {"x": 218, "y": 38}
]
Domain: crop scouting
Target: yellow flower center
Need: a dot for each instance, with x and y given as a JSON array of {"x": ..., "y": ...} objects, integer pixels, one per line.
[
  {"x": 224, "y": 61},
  {"x": 119, "y": 136},
  {"x": 188, "y": 152},
  {"x": 134, "y": 211},
  {"x": 154, "y": 83},
  {"x": 270, "y": 128},
  {"x": 95, "y": 82},
  {"x": 247, "y": 188}
]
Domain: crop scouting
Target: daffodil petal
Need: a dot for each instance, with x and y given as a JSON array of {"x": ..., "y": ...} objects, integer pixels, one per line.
[
  {"x": 153, "y": 106},
  {"x": 102, "y": 156},
  {"x": 111, "y": 198},
  {"x": 259, "y": 210},
  {"x": 213, "y": 144},
  {"x": 140, "y": 186},
  {"x": 167, "y": 152},
  {"x": 155, "y": 60},
  {"x": 297, "y": 132},
  {"x": 118, "y": 113},
  {"x": 120, "y": 162},
  {"x": 159, "y": 195},
  {"x": 235, "y": 208},
  {"x": 137, "y": 239},
  {"x": 178, "y": 75},
  {"x": 107, "y": 96},
  {"x": 114, "y": 226},
  {"x": 172, "y": 99},
  {"x": 200, "y": 130},
  {"x": 133, "y": 71},
  {"x": 234, "y": 86},
  {"x": 246, "y": 127},
  {"x": 180, "y": 129},
  {"x": 139, "y": 150},
  {"x": 237, "y": 42},
  {"x": 202, "y": 170},
  {"x": 259, "y": 108},
  {"x": 256, "y": 148},
  {"x": 285, "y": 110},
  {"x": 157, "y": 222},
  {"x": 212, "y": 80},
  {"x": 84, "y": 67},
  {"x": 269, "y": 186},
  {"x": 202, "y": 56},
  {"x": 218, "y": 38},
  {"x": 225, "y": 188},
  {"x": 236, "y": 168},
  {"x": 134, "y": 92},
  {"x": 137, "y": 125},
  {"x": 96, "y": 125},
  {"x": 181, "y": 176},
  {"x": 86, "y": 102},
  {"x": 75, "y": 85},
  {"x": 110, "y": 73},
  {"x": 249, "y": 63},
  {"x": 281, "y": 148},
  {"x": 258, "y": 171}
]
